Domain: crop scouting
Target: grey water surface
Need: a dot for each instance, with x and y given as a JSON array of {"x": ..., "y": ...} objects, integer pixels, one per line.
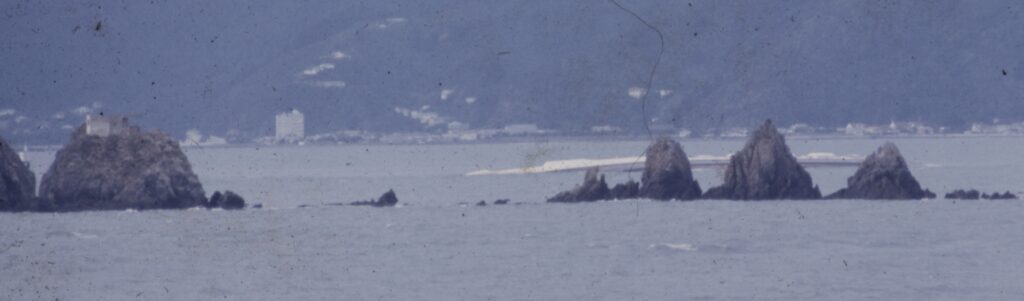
[{"x": 436, "y": 248}]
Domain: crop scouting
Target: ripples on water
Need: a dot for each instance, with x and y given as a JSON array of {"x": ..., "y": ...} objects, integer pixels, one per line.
[{"x": 434, "y": 248}]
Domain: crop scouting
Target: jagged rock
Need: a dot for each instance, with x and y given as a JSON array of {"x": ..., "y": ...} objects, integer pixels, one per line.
[
  {"x": 501, "y": 201},
  {"x": 120, "y": 169},
  {"x": 625, "y": 191},
  {"x": 17, "y": 182},
  {"x": 964, "y": 194},
  {"x": 388, "y": 199},
  {"x": 667, "y": 173},
  {"x": 593, "y": 189},
  {"x": 884, "y": 175},
  {"x": 229, "y": 200},
  {"x": 765, "y": 170}
]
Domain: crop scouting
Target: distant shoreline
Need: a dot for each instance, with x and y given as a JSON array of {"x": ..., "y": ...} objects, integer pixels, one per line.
[{"x": 573, "y": 138}]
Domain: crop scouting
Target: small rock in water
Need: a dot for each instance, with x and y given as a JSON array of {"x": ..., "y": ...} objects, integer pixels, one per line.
[
  {"x": 1004, "y": 196},
  {"x": 481, "y": 203},
  {"x": 257, "y": 206},
  {"x": 625, "y": 191},
  {"x": 228, "y": 201},
  {"x": 593, "y": 189},
  {"x": 501, "y": 201},
  {"x": 961, "y": 194},
  {"x": 388, "y": 199},
  {"x": 232, "y": 201}
]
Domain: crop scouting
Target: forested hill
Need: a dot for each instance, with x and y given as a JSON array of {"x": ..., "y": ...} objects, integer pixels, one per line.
[{"x": 565, "y": 65}]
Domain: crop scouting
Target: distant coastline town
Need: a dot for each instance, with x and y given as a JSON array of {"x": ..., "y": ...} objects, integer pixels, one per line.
[{"x": 289, "y": 129}]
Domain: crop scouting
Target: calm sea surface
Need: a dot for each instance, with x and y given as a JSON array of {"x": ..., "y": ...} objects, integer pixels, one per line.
[{"x": 436, "y": 248}]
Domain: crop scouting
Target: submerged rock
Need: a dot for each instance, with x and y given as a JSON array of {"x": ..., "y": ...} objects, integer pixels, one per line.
[
  {"x": 501, "y": 201},
  {"x": 17, "y": 182},
  {"x": 388, "y": 199},
  {"x": 625, "y": 191},
  {"x": 960, "y": 194},
  {"x": 765, "y": 170},
  {"x": 997, "y": 196},
  {"x": 974, "y": 194},
  {"x": 593, "y": 189},
  {"x": 884, "y": 175},
  {"x": 667, "y": 173},
  {"x": 228, "y": 200},
  {"x": 122, "y": 169}
]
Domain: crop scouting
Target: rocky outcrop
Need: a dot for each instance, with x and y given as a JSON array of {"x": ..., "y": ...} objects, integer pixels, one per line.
[
  {"x": 388, "y": 199},
  {"x": 129, "y": 169},
  {"x": 625, "y": 191},
  {"x": 999, "y": 196},
  {"x": 667, "y": 173},
  {"x": 765, "y": 170},
  {"x": 884, "y": 175},
  {"x": 228, "y": 201},
  {"x": 593, "y": 189},
  {"x": 973, "y": 194},
  {"x": 960, "y": 194},
  {"x": 17, "y": 182}
]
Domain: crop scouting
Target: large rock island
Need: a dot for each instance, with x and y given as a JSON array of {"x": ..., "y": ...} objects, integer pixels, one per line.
[
  {"x": 667, "y": 173},
  {"x": 884, "y": 175},
  {"x": 17, "y": 182},
  {"x": 109, "y": 165},
  {"x": 765, "y": 170}
]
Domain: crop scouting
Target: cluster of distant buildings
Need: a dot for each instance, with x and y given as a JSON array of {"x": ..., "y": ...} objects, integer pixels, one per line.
[{"x": 290, "y": 128}]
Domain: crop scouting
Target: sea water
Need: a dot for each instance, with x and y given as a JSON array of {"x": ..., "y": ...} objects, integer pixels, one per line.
[{"x": 437, "y": 246}]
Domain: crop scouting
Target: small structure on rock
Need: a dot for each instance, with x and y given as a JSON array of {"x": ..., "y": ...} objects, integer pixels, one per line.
[
  {"x": 388, "y": 199},
  {"x": 17, "y": 182},
  {"x": 765, "y": 170},
  {"x": 106, "y": 125},
  {"x": 594, "y": 188},
  {"x": 116, "y": 169},
  {"x": 667, "y": 173},
  {"x": 884, "y": 175}
]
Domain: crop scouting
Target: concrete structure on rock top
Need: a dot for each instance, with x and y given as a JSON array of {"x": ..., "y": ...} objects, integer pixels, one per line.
[
  {"x": 106, "y": 125},
  {"x": 290, "y": 126}
]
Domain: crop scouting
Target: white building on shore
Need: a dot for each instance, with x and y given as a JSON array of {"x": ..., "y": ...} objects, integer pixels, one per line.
[{"x": 290, "y": 126}]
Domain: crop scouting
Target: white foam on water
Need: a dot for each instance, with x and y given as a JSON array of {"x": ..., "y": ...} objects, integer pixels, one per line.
[
  {"x": 697, "y": 160},
  {"x": 674, "y": 247},
  {"x": 84, "y": 235}
]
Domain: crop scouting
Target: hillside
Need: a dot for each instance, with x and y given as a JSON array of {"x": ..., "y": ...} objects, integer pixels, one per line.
[{"x": 565, "y": 65}]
